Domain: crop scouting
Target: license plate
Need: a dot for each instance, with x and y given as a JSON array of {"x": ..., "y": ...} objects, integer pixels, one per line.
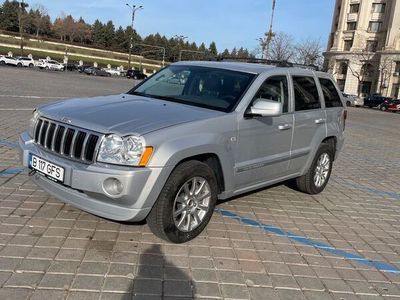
[{"x": 46, "y": 168}]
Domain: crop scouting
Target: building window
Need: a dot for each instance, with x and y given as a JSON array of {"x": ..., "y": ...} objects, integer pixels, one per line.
[
  {"x": 375, "y": 26},
  {"x": 342, "y": 69},
  {"x": 397, "y": 67},
  {"x": 341, "y": 83},
  {"x": 372, "y": 46},
  {"x": 347, "y": 45},
  {"x": 367, "y": 70},
  {"x": 365, "y": 87},
  {"x": 354, "y": 8},
  {"x": 378, "y": 7},
  {"x": 351, "y": 25},
  {"x": 395, "y": 90}
]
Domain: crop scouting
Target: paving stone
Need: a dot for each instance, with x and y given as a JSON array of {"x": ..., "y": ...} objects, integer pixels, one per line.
[
  {"x": 85, "y": 282},
  {"x": 56, "y": 281},
  {"x": 24, "y": 280},
  {"x": 235, "y": 291}
]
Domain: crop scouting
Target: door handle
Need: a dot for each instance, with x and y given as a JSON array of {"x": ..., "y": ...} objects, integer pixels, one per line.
[
  {"x": 284, "y": 127},
  {"x": 320, "y": 121}
]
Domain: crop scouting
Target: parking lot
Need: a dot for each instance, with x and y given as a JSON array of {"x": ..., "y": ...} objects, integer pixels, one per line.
[{"x": 276, "y": 243}]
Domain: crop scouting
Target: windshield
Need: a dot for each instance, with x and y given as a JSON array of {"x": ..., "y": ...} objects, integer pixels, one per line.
[{"x": 212, "y": 88}]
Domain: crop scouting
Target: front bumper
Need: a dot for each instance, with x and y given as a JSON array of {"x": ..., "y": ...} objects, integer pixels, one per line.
[{"x": 83, "y": 185}]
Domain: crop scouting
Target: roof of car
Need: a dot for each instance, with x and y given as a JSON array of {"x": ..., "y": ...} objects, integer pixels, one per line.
[{"x": 240, "y": 66}]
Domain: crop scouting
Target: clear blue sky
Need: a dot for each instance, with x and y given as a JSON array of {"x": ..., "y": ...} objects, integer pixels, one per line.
[{"x": 229, "y": 23}]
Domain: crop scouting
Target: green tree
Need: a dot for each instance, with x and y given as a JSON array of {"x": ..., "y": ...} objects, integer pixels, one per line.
[
  {"x": 213, "y": 49},
  {"x": 109, "y": 34},
  {"x": 120, "y": 41},
  {"x": 98, "y": 33},
  {"x": 9, "y": 16}
]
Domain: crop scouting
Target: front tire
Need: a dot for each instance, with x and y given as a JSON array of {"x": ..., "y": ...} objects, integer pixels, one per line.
[
  {"x": 186, "y": 203},
  {"x": 383, "y": 108},
  {"x": 317, "y": 177}
]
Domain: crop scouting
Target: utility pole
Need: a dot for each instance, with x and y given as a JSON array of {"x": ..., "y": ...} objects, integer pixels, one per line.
[
  {"x": 21, "y": 7},
  {"x": 134, "y": 8}
]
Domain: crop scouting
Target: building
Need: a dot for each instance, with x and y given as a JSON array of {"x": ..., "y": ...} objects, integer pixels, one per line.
[{"x": 364, "y": 47}]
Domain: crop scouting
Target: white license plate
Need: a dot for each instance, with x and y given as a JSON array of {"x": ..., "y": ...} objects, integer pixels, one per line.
[{"x": 46, "y": 168}]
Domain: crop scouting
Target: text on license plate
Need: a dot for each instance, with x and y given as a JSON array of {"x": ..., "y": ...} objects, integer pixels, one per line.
[{"x": 51, "y": 170}]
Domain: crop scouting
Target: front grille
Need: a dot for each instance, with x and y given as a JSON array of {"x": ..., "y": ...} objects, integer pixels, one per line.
[{"x": 67, "y": 141}]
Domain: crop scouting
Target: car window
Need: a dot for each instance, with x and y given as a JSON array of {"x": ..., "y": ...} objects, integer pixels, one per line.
[
  {"x": 331, "y": 96},
  {"x": 275, "y": 89},
  {"x": 305, "y": 93},
  {"x": 207, "y": 87}
]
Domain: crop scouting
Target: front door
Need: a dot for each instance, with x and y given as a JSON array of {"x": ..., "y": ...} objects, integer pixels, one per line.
[{"x": 263, "y": 146}]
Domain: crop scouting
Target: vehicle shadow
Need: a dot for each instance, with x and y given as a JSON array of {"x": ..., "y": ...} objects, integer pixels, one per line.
[{"x": 159, "y": 278}]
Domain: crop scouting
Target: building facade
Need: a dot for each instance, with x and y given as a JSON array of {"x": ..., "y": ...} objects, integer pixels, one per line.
[{"x": 364, "y": 47}]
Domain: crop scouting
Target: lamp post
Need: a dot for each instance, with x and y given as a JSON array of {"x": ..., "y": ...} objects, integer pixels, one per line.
[
  {"x": 181, "y": 39},
  {"x": 134, "y": 8}
]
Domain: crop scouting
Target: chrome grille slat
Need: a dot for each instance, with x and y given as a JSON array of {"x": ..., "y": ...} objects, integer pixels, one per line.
[
  {"x": 83, "y": 153},
  {"x": 72, "y": 148},
  {"x": 54, "y": 137},
  {"x": 67, "y": 141}
]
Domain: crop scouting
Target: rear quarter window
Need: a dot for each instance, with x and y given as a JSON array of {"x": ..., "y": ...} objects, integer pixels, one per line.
[
  {"x": 331, "y": 95},
  {"x": 305, "y": 93}
]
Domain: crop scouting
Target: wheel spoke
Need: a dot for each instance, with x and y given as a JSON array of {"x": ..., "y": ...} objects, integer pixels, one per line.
[
  {"x": 179, "y": 211},
  {"x": 188, "y": 221},
  {"x": 193, "y": 187},
  {"x": 202, "y": 207},
  {"x": 202, "y": 184},
  {"x": 179, "y": 225},
  {"x": 202, "y": 197},
  {"x": 186, "y": 189},
  {"x": 196, "y": 218}
]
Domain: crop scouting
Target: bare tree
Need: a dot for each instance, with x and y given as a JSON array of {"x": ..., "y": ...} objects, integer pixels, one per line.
[
  {"x": 385, "y": 70},
  {"x": 38, "y": 19},
  {"x": 308, "y": 52},
  {"x": 281, "y": 47}
]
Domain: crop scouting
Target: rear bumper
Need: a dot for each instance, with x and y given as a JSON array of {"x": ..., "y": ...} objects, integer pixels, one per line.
[{"x": 83, "y": 185}]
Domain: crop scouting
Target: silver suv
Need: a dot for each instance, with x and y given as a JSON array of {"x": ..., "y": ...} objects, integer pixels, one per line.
[{"x": 193, "y": 133}]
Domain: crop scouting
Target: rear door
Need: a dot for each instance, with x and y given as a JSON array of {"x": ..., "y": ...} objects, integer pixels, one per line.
[{"x": 309, "y": 119}]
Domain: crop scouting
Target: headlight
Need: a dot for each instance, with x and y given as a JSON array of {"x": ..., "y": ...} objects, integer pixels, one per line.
[
  {"x": 33, "y": 122},
  {"x": 130, "y": 150}
]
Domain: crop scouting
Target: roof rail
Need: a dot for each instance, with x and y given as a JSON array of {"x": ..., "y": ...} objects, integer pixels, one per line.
[{"x": 278, "y": 63}]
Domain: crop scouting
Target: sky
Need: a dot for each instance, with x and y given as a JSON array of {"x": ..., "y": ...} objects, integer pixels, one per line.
[{"x": 230, "y": 23}]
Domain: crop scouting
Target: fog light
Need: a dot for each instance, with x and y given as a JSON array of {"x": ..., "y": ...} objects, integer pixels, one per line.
[{"x": 113, "y": 186}]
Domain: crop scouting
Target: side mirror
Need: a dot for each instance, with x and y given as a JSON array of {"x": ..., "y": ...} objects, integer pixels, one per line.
[{"x": 265, "y": 108}]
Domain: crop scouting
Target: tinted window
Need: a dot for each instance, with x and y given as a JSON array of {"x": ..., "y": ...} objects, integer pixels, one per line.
[
  {"x": 276, "y": 89},
  {"x": 305, "y": 93},
  {"x": 331, "y": 96},
  {"x": 212, "y": 88}
]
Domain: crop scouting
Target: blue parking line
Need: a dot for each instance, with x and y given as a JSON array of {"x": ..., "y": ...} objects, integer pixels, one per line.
[
  {"x": 11, "y": 171},
  {"x": 8, "y": 144},
  {"x": 372, "y": 190},
  {"x": 381, "y": 266}
]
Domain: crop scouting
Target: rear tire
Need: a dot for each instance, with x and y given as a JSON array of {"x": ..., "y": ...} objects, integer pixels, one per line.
[
  {"x": 2, "y": 63},
  {"x": 19, "y": 65},
  {"x": 169, "y": 215},
  {"x": 30, "y": 65},
  {"x": 317, "y": 177},
  {"x": 383, "y": 108}
]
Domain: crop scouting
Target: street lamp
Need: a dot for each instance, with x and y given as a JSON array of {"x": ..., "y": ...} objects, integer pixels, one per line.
[{"x": 134, "y": 8}]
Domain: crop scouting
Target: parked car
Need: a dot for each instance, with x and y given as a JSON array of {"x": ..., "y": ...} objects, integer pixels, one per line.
[
  {"x": 375, "y": 100},
  {"x": 353, "y": 100},
  {"x": 166, "y": 151},
  {"x": 393, "y": 106},
  {"x": 82, "y": 68},
  {"x": 71, "y": 67},
  {"x": 8, "y": 60},
  {"x": 136, "y": 74},
  {"x": 54, "y": 65},
  {"x": 25, "y": 62},
  {"x": 114, "y": 72},
  {"x": 96, "y": 72}
]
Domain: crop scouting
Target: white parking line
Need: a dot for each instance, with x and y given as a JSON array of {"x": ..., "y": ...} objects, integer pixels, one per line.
[{"x": 31, "y": 97}]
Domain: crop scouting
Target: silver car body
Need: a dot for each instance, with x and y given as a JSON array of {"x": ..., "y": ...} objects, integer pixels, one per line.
[{"x": 250, "y": 153}]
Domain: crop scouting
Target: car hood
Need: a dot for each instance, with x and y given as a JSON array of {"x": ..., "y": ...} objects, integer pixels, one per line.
[{"x": 124, "y": 114}]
